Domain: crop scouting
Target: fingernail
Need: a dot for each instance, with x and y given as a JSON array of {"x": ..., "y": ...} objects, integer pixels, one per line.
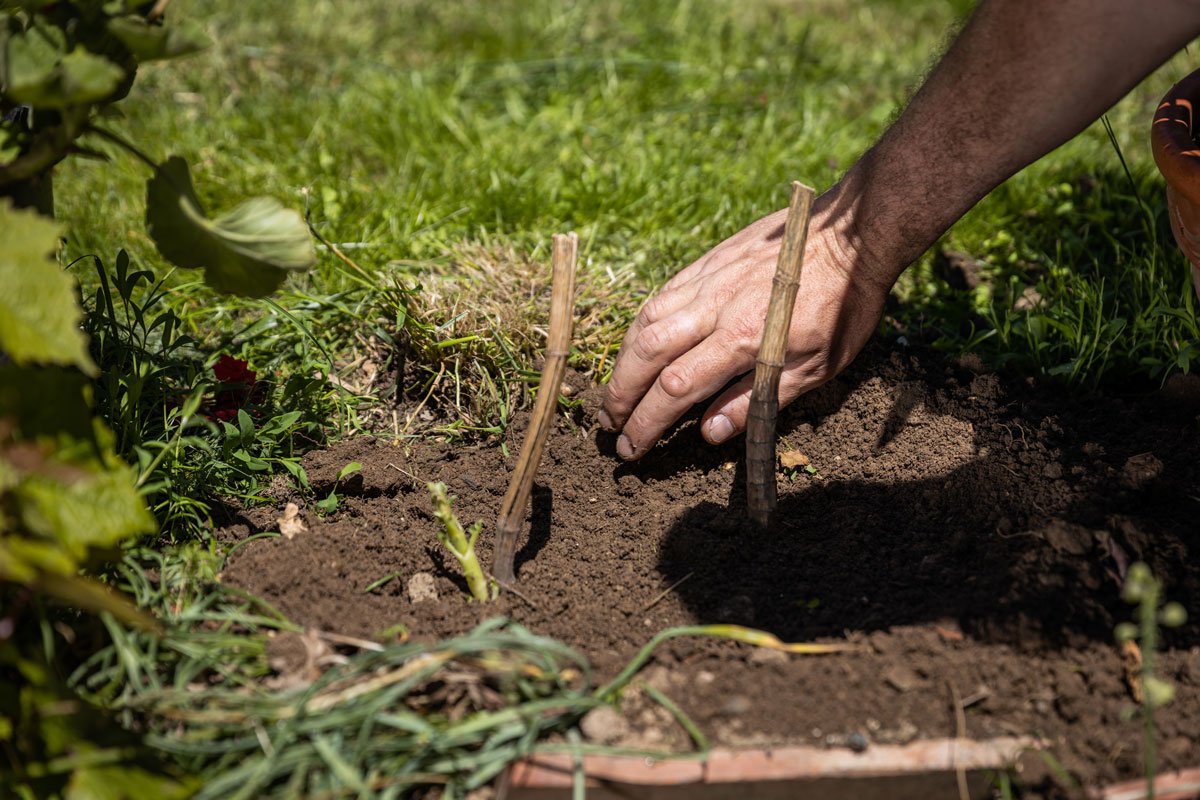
[
  {"x": 719, "y": 429},
  {"x": 606, "y": 421},
  {"x": 624, "y": 447}
]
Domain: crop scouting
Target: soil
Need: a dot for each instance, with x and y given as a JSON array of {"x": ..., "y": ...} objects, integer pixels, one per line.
[{"x": 969, "y": 531}]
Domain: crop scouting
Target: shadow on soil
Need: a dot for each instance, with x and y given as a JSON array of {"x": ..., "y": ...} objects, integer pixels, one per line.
[{"x": 1026, "y": 542}]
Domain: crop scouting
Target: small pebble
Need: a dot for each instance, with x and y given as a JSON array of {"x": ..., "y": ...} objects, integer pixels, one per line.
[
  {"x": 421, "y": 588},
  {"x": 857, "y": 742},
  {"x": 604, "y": 725}
]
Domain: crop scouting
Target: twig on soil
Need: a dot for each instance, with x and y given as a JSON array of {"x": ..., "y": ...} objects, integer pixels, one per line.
[
  {"x": 350, "y": 641},
  {"x": 432, "y": 385},
  {"x": 658, "y": 597},
  {"x": 558, "y": 347},
  {"x": 960, "y": 732},
  {"x": 764, "y": 397},
  {"x": 520, "y": 594}
]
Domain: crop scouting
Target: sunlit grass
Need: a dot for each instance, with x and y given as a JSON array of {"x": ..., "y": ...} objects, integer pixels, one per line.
[{"x": 415, "y": 130}]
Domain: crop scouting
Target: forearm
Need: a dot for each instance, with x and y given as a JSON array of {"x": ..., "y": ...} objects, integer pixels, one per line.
[{"x": 1021, "y": 79}]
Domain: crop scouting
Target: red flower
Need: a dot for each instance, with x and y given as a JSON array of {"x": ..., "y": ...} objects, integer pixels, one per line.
[
  {"x": 234, "y": 370},
  {"x": 238, "y": 384}
]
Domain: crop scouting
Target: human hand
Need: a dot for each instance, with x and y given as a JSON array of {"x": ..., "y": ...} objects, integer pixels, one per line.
[{"x": 704, "y": 327}]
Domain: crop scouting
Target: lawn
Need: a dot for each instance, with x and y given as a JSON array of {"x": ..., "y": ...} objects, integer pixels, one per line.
[
  {"x": 425, "y": 135},
  {"x": 436, "y": 148}
]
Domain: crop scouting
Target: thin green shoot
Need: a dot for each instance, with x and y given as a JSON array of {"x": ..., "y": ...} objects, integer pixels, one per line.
[
  {"x": 1144, "y": 592},
  {"x": 381, "y": 582},
  {"x": 461, "y": 543},
  {"x": 330, "y": 503}
]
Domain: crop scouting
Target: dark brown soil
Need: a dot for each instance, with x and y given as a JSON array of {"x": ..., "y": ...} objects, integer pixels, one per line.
[{"x": 969, "y": 532}]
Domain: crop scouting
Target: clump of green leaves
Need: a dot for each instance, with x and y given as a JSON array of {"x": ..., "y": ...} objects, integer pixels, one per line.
[
  {"x": 61, "y": 66},
  {"x": 1144, "y": 592},
  {"x": 67, "y": 500},
  {"x": 65, "y": 496},
  {"x": 460, "y": 543}
]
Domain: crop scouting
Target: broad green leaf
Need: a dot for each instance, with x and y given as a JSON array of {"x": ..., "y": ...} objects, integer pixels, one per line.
[
  {"x": 41, "y": 74},
  {"x": 125, "y": 782},
  {"x": 39, "y": 313},
  {"x": 82, "y": 510},
  {"x": 10, "y": 143},
  {"x": 30, "y": 59},
  {"x": 47, "y": 403},
  {"x": 248, "y": 251},
  {"x": 149, "y": 42}
]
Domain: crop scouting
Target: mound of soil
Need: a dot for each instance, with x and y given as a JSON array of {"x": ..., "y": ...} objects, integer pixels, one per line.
[{"x": 969, "y": 532}]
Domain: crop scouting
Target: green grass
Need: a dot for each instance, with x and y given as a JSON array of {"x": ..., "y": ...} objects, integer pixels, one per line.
[{"x": 415, "y": 130}]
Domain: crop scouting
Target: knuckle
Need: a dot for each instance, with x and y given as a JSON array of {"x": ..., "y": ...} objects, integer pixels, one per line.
[
  {"x": 654, "y": 310},
  {"x": 615, "y": 398},
  {"x": 676, "y": 380},
  {"x": 649, "y": 343}
]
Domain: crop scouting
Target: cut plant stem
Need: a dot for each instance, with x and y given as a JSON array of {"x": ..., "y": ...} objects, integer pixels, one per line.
[
  {"x": 460, "y": 543},
  {"x": 558, "y": 347},
  {"x": 764, "y": 396}
]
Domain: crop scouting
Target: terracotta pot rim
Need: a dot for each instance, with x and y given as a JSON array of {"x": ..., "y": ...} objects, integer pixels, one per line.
[{"x": 724, "y": 768}]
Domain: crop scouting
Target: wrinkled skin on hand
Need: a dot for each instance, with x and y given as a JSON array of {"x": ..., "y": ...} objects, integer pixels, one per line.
[{"x": 703, "y": 329}]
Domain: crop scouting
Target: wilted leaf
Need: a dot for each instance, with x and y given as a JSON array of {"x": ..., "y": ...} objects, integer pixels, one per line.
[
  {"x": 248, "y": 251},
  {"x": 39, "y": 313},
  {"x": 793, "y": 459},
  {"x": 149, "y": 42},
  {"x": 291, "y": 523}
]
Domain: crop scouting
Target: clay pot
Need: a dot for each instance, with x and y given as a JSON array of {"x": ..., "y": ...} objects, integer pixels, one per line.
[{"x": 1173, "y": 137}]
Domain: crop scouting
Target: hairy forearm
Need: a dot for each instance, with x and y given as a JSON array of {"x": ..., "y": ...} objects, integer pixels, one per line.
[{"x": 1021, "y": 78}]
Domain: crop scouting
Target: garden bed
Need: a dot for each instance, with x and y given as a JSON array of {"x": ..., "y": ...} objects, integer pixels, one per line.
[{"x": 968, "y": 533}]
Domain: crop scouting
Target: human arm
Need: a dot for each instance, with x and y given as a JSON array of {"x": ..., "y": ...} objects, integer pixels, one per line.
[{"x": 1019, "y": 80}]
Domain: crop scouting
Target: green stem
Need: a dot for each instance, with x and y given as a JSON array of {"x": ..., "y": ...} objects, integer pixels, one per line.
[
  {"x": 124, "y": 144},
  {"x": 460, "y": 545},
  {"x": 1149, "y": 621}
]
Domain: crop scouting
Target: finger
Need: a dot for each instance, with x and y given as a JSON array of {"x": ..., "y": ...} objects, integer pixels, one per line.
[
  {"x": 662, "y": 305},
  {"x": 644, "y": 356},
  {"x": 726, "y": 417},
  {"x": 684, "y": 382}
]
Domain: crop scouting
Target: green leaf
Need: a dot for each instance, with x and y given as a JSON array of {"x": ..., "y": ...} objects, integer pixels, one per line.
[
  {"x": 126, "y": 782},
  {"x": 348, "y": 470},
  {"x": 150, "y": 42},
  {"x": 82, "y": 510},
  {"x": 341, "y": 768},
  {"x": 30, "y": 58},
  {"x": 39, "y": 71},
  {"x": 47, "y": 403},
  {"x": 39, "y": 312},
  {"x": 248, "y": 251}
]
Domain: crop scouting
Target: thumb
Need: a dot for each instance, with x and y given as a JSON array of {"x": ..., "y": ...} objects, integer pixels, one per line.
[{"x": 726, "y": 417}]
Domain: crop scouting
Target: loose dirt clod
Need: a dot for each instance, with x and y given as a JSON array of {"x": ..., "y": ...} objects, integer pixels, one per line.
[
  {"x": 604, "y": 725},
  {"x": 421, "y": 588}
]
